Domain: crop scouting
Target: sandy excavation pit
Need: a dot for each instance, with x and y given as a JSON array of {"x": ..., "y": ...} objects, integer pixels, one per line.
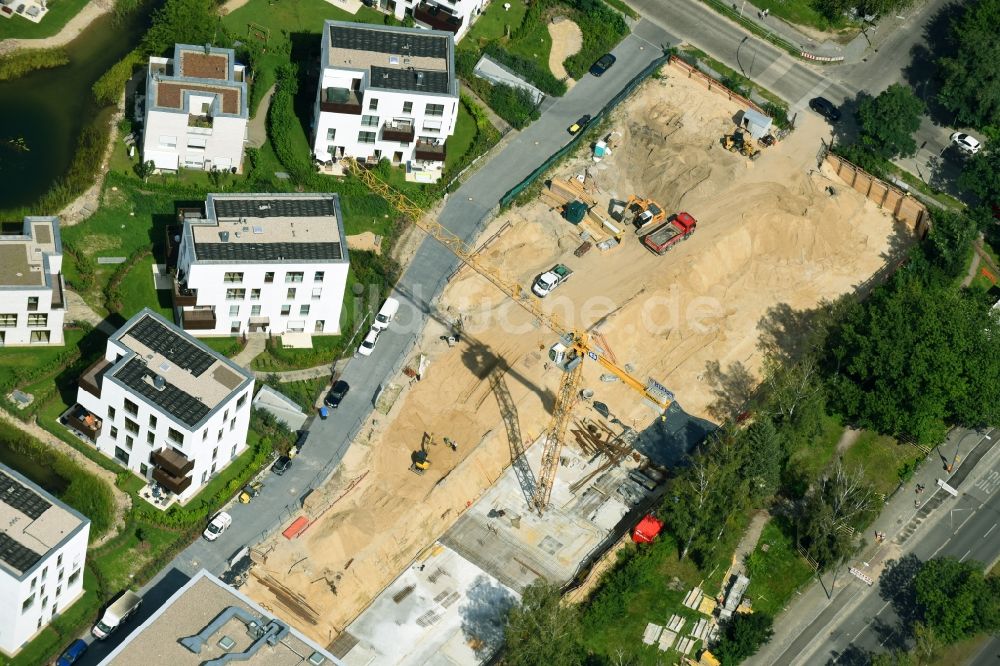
[{"x": 769, "y": 233}]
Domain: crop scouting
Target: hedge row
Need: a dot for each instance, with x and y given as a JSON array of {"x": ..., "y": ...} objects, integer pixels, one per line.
[
  {"x": 23, "y": 61},
  {"x": 602, "y": 28}
]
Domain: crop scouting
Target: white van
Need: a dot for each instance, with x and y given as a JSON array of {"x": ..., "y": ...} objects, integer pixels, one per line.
[
  {"x": 123, "y": 607},
  {"x": 385, "y": 315}
]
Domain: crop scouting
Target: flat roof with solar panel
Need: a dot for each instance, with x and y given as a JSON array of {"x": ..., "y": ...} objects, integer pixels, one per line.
[
  {"x": 32, "y": 523},
  {"x": 174, "y": 371},
  {"x": 269, "y": 228}
]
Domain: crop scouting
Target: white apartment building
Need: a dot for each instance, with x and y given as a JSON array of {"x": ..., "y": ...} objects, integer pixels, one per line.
[
  {"x": 195, "y": 110},
  {"x": 261, "y": 262},
  {"x": 386, "y": 92},
  {"x": 43, "y": 545},
  {"x": 454, "y": 16},
  {"x": 164, "y": 405},
  {"x": 31, "y": 284}
]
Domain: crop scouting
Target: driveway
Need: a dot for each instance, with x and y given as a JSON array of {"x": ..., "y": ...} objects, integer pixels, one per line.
[{"x": 464, "y": 214}]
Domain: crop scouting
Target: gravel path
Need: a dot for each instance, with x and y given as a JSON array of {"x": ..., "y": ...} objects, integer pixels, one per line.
[{"x": 91, "y": 11}]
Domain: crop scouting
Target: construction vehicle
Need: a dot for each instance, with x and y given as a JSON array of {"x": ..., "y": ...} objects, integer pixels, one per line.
[
  {"x": 419, "y": 460},
  {"x": 250, "y": 491},
  {"x": 677, "y": 229},
  {"x": 546, "y": 283},
  {"x": 574, "y": 344},
  {"x": 642, "y": 213},
  {"x": 740, "y": 142}
]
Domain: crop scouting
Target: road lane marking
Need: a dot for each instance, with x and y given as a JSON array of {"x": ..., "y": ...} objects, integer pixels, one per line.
[
  {"x": 965, "y": 556},
  {"x": 990, "y": 530},
  {"x": 868, "y": 624}
]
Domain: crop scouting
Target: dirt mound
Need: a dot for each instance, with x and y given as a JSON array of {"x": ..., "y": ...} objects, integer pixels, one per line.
[{"x": 566, "y": 41}]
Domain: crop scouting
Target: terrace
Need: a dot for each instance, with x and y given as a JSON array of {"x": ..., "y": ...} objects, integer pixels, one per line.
[{"x": 340, "y": 100}]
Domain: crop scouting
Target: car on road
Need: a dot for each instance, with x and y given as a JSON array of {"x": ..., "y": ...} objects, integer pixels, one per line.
[
  {"x": 368, "y": 344},
  {"x": 281, "y": 465},
  {"x": 603, "y": 64},
  {"x": 250, "y": 491},
  {"x": 73, "y": 653},
  {"x": 386, "y": 313},
  {"x": 575, "y": 128},
  {"x": 825, "y": 108},
  {"x": 217, "y": 526},
  {"x": 300, "y": 441},
  {"x": 966, "y": 143},
  {"x": 337, "y": 394}
]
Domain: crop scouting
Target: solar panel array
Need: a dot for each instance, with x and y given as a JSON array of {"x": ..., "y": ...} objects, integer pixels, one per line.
[
  {"x": 388, "y": 41},
  {"x": 269, "y": 251},
  {"x": 181, "y": 405},
  {"x": 226, "y": 207},
  {"x": 172, "y": 345},
  {"x": 405, "y": 79},
  {"x": 21, "y": 558},
  {"x": 24, "y": 499}
]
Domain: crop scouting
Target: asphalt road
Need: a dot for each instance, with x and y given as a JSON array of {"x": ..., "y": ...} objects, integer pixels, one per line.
[
  {"x": 417, "y": 290},
  {"x": 858, "y": 620}
]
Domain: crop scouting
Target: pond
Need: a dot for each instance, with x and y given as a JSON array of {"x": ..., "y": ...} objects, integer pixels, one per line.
[
  {"x": 35, "y": 471},
  {"x": 44, "y": 111}
]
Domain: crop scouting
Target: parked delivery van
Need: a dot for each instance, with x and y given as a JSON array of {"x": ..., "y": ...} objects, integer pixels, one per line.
[
  {"x": 119, "y": 611},
  {"x": 386, "y": 314}
]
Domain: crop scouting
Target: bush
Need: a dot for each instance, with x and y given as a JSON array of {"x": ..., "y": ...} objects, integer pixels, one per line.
[
  {"x": 281, "y": 121},
  {"x": 778, "y": 113},
  {"x": 110, "y": 87},
  {"x": 602, "y": 29},
  {"x": 21, "y": 62},
  {"x": 515, "y": 105},
  {"x": 541, "y": 78}
]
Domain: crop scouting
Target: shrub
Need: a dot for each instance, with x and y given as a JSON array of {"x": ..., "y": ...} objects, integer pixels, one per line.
[
  {"x": 541, "y": 78},
  {"x": 21, "y": 62},
  {"x": 110, "y": 87},
  {"x": 602, "y": 29},
  {"x": 515, "y": 105},
  {"x": 778, "y": 113}
]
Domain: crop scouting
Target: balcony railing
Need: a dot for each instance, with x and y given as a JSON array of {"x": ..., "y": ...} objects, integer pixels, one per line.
[
  {"x": 91, "y": 379},
  {"x": 184, "y": 297},
  {"x": 171, "y": 461},
  {"x": 401, "y": 131},
  {"x": 175, "y": 484},
  {"x": 429, "y": 152},
  {"x": 83, "y": 421},
  {"x": 436, "y": 17},
  {"x": 340, "y": 100},
  {"x": 58, "y": 302},
  {"x": 198, "y": 320}
]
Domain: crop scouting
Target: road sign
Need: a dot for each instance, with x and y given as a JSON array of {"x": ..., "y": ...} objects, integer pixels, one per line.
[
  {"x": 861, "y": 575},
  {"x": 948, "y": 489}
]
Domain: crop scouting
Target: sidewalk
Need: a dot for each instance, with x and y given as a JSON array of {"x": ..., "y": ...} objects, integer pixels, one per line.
[
  {"x": 900, "y": 519},
  {"x": 822, "y": 49}
]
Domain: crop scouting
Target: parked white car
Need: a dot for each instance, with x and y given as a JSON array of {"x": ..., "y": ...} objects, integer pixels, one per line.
[
  {"x": 219, "y": 524},
  {"x": 368, "y": 344},
  {"x": 386, "y": 313},
  {"x": 966, "y": 143}
]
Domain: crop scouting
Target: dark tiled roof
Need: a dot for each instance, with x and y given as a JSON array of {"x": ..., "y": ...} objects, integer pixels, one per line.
[
  {"x": 279, "y": 207},
  {"x": 360, "y": 38},
  {"x": 177, "y": 403},
  {"x": 409, "y": 79},
  {"x": 172, "y": 345},
  {"x": 22, "y": 498},
  {"x": 21, "y": 558},
  {"x": 268, "y": 251}
]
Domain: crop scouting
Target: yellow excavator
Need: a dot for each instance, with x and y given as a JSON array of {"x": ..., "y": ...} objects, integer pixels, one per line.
[
  {"x": 739, "y": 142},
  {"x": 568, "y": 353}
]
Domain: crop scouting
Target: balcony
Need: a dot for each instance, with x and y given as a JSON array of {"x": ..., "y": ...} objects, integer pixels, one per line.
[
  {"x": 184, "y": 297},
  {"x": 429, "y": 152},
  {"x": 436, "y": 17},
  {"x": 91, "y": 379},
  {"x": 198, "y": 320},
  {"x": 58, "y": 302},
  {"x": 200, "y": 122},
  {"x": 84, "y": 422},
  {"x": 340, "y": 100},
  {"x": 175, "y": 484},
  {"x": 172, "y": 462},
  {"x": 402, "y": 131}
]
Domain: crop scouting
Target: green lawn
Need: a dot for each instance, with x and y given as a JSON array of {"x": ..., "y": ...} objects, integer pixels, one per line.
[
  {"x": 138, "y": 291},
  {"x": 882, "y": 457},
  {"x": 803, "y": 12},
  {"x": 33, "y": 364},
  {"x": 276, "y": 359},
  {"x": 811, "y": 458},
  {"x": 534, "y": 43},
  {"x": 460, "y": 142},
  {"x": 230, "y": 346},
  {"x": 777, "y": 572},
  {"x": 496, "y": 22},
  {"x": 304, "y": 393},
  {"x": 981, "y": 282},
  {"x": 59, "y": 14}
]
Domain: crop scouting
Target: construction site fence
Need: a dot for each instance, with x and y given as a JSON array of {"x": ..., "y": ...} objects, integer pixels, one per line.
[
  {"x": 513, "y": 192},
  {"x": 712, "y": 84},
  {"x": 903, "y": 207}
]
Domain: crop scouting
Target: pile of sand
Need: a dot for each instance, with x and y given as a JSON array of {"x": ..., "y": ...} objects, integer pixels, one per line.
[{"x": 566, "y": 41}]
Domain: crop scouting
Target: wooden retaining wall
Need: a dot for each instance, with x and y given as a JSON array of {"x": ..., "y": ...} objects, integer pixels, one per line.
[{"x": 904, "y": 208}]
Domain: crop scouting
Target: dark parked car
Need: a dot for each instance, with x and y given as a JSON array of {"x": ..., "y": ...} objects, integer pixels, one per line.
[
  {"x": 301, "y": 441},
  {"x": 337, "y": 394},
  {"x": 281, "y": 465},
  {"x": 603, "y": 64},
  {"x": 72, "y": 653},
  {"x": 825, "y": 108},
  {"x": 579, "y": 125}
]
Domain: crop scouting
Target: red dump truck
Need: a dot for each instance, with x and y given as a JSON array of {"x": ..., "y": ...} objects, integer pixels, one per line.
[{"x": 674, "y": 230}]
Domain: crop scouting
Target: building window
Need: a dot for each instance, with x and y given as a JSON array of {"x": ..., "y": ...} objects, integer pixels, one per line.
[
  {"x": 319, "y": 276},
  {"x": 28, "y": 603},
  {"x": 168, "y": 141},
  {"x": 204, "y": 435},
  {"x": 132, "y": 426},
  {"x": 175, "y": 436},
  {"x": 434, "y": 110},
  {"x": 131, "y": 407},
  {"x": 129, "y": 442},
  {"x": 152, "y": 421},
  {"x": 291, "y": 294},
  {"x": 236, "y": 294},
  {"x": 73, "y": 577},
  {"x": 59, "y": 564},
  {"x": 303, "y": 310},
  {"x": 268, "y": 277},
  {"x": 33, "y": 581},
  {"x": 121, "y": 454},
  {"x": 296, "y": 276},
  {"x": 233, "y": 453},
  {"x": 218, "y": 437},
  {"x": 234, "y": 311},
  {"x": 225, "y": 415},
  {"x": 32, "y": 303},
  {"x": 215, "y": 453},
  {"x": 114, "y": 432},
  {"x": 373, "y": 104},
  {"x": 331, "y": 134},
  {"x": 233, "y": 277},
  {"x": 8, "y": 320},
  {"x": 150, "y": 438},
  {"x": 144, "y": 469},
  {"x": 242, "y": 401},
  {"x": 255, "y": 294},
  {"x": 204, "y": 476},
  {"x": 254, "y": 310},
  {"x": 38, "y": 320},
  {"x": 320, "y": 325},
  {"x": 232, "y": 424},
  {"x": 111, "y": 413},
  {"x": 213, "y": 467},
  {"x": 407, "y": 107},
  {"x": 286, "y": 310},
  {"x": 369, "y": 121},
  {"x": 39, "y": 336},
  {"x": 366, "y": 137},
  {"x": 317, "y": 293}
]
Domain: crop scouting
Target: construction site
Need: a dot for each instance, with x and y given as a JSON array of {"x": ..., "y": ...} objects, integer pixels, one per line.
[{"x": 679, "y": 253}]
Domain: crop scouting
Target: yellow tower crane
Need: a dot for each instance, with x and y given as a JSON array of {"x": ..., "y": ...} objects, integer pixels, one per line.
[{"x": 568, "y": 354}]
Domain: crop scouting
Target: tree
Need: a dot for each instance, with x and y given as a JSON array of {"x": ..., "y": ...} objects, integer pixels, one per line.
[
  {"x": 541, "y": 630},
  {"x": 970, "y": 87},
  {"x": 887, "y": 122},
  {"x": 742, "y": 636},
  {"x": 838, "y": 503},
  {"x": 950, "y": 240},
  {"x": 763, "y": 460},
  {"x": 181, "y": 22},
  {"x": 981, "y": 173},
  {"x": 144, "y": 169},
  {"x": 955, "y": 599}
]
